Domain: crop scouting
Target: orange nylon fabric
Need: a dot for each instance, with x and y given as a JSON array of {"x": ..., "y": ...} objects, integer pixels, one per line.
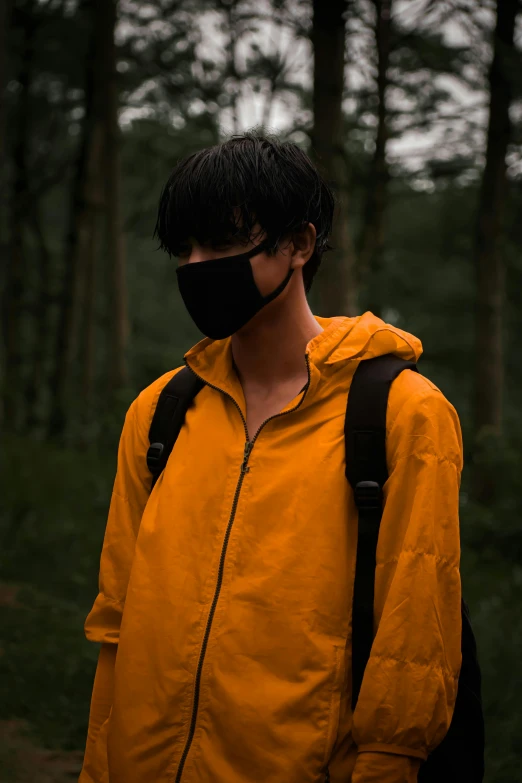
[{"x": 272, "y": 550}]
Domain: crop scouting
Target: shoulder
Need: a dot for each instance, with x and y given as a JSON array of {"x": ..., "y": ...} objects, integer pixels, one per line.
[
  {"x": 141, "y": 410},
  {"x": 418, "y": 394},
  {"x": 421, "y": 420}
]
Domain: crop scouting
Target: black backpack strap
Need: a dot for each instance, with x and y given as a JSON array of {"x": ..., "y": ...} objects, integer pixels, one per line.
[
  {"x": 174, "y": 400},
  {"x": 366, "y": 470}
]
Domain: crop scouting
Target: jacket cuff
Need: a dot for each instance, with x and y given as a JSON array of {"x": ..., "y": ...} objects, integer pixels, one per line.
[
  {"x": 386, "y": 766},
  {"x": 400, "y": 750},
  {"x": 104, "y": 620}
]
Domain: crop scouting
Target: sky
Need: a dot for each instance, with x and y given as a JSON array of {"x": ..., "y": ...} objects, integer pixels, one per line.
[{"x": 447, "y": 136}]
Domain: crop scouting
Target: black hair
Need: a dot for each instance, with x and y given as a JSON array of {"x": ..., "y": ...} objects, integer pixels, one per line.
[{"x": 218, "y": 194}]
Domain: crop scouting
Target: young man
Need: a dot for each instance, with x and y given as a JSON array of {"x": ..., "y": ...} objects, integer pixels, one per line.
[{"x": 224, "y": 611}]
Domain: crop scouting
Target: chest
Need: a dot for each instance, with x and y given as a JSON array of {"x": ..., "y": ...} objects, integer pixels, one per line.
[{"x": 259, "y": 409}]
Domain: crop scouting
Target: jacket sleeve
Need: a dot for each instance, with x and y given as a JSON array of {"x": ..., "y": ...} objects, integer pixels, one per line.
[
  {"x": 409, "y": 687},
  {"x": 130, "y": 493}
]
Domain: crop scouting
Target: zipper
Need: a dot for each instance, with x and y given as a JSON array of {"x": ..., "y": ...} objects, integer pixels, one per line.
[{"x": 249, "y": 445}]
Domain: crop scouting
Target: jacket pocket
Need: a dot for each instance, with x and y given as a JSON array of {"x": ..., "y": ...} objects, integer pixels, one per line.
[{"x": 335, "y": 702}]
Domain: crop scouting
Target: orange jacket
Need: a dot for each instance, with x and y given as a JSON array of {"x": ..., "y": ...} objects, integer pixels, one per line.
[{"x": 228, "y": 589}]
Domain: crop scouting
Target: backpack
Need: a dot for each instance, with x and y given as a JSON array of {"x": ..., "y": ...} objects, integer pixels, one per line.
[{"x": 459, "y": 758}]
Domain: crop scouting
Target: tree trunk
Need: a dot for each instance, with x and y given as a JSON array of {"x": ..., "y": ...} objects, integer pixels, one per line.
[
  {"x": 86, "y": 206},
  {"x": 106, "y": 12},
  {"x": 97, "y": 204},
  {"x": 88, "y": 251},
  {"x": 69, "y": 297},
  {"x": 372, "y": 238},
  {"x": 5, "y": 23},
  {"x": 230, "y": 10},
  {"x": 41, "y": 320},
  {"x": 489, "y": 261},
  {"x": 14, "y": 293},
  {"x": 5, "y": 20},
  {"x": 337, "y": 286},
  {"x": 272, "y": 86}
]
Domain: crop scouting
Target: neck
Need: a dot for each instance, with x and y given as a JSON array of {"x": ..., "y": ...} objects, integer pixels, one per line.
[{"x": 270, "y": 349}]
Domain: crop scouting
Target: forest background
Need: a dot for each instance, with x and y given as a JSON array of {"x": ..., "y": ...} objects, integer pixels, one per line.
[{"x": 413, "y": 109}]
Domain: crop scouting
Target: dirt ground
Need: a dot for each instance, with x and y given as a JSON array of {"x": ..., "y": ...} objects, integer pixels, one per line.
[{"x": 21, "y": 761}]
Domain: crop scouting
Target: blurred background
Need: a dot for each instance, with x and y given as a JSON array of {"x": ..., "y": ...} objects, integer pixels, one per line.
[{"x": 413, "y": 110}]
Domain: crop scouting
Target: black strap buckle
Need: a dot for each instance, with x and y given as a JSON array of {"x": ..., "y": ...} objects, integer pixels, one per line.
[
  {"x": 154, "y": 456},
  {"x": 368, "y": 496}
]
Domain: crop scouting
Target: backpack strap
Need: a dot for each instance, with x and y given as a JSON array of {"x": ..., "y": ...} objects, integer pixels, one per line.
[
  {"x": 366, "y": 470},
  {"x": 174, "y": 400}
]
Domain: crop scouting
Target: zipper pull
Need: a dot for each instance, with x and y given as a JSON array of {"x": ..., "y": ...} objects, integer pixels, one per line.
[{"x": 246, "y": 455}]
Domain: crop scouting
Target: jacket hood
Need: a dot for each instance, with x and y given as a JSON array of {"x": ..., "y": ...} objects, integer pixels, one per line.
[
  {"x": 363, "y": 337},
  {"x": 343, "y": 339}
]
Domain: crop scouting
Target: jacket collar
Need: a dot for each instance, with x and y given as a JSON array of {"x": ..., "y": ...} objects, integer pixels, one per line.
[{"x": 343, "y": 339}]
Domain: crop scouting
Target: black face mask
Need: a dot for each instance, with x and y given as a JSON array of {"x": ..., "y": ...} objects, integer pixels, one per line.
[{"x": 221, "y": 294}]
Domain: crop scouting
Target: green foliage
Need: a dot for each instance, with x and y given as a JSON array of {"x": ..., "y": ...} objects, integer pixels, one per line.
[
  {"x": 495, "y": 531},
  {"x": 51, "y": 497},
  {"x": 46, "y": 666},
  {"x": 493, "y": 591},
  {"x": 53, "y": 517}
]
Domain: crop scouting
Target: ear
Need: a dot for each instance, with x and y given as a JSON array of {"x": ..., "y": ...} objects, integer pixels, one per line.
[{"x": 303, "y": 245}]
